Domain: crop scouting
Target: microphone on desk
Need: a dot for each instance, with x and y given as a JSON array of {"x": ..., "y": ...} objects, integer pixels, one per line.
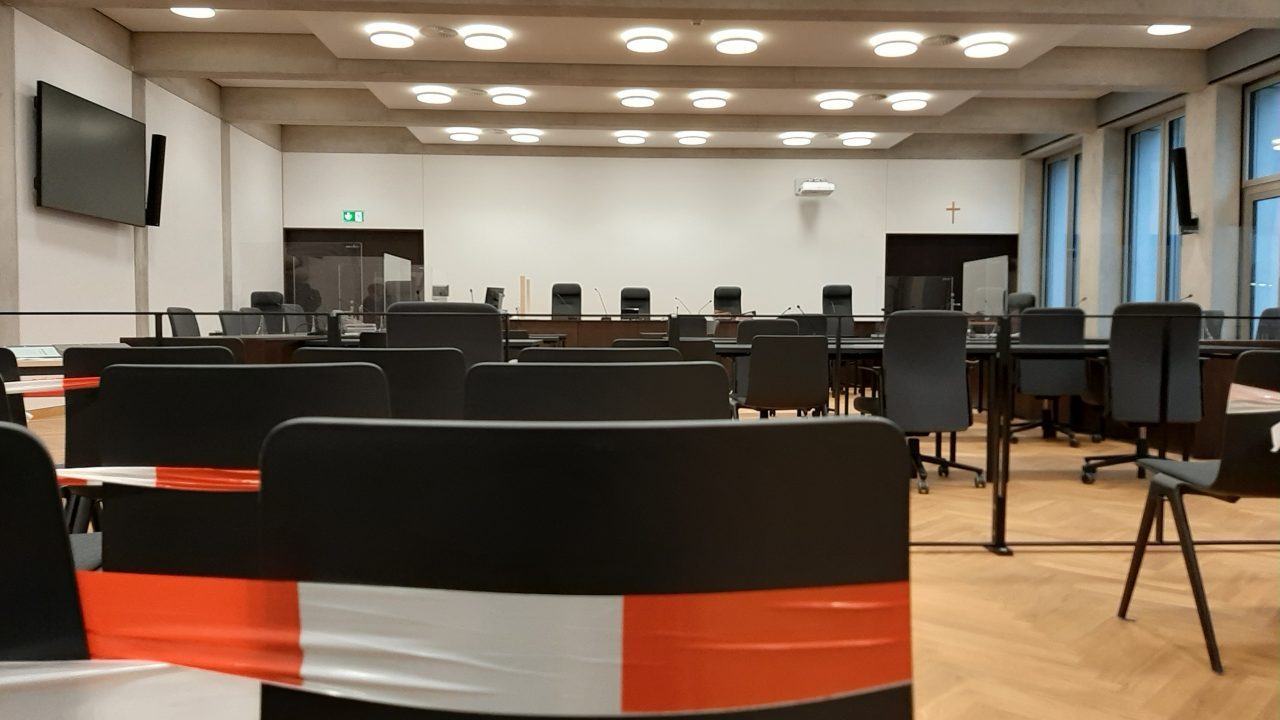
[
  {"x": 473, "y": 294},
  {"x": 1188, "y": 297},
  {"x": 704, "y": 307},
  {"x": 1081, "y": 301},
  {"x": 686, "y": 307},
  {"x": 784, "y": 312},
  {"x": 799, "y": 308},
  {"x": 603, "y": 307}
]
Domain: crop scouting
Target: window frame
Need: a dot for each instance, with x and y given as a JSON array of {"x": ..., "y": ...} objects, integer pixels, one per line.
[
  {"x": 1252, "y": 190},
  {"x": 1072, "y": 157},
  {"x": 1162, "y": 122}
]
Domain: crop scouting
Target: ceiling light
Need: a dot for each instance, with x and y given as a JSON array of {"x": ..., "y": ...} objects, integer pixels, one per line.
[
  {"x": 195, "y": 13},
  {"x": 836, "y": 100},
  {"x": 986, "y": 45},
  {"x": 509, "y": 95},
  {"x": 709, "y": 99},
  {"x": 647, "y": 39},
  {"x": 796, "y": 137},
  {"x": 1167, "y": 29},
  {"x": 631, "y": 137},
  {"x": 692, "y": 137},
  {"x": 739, "y": 41},
  {"x": 484, "y": 37},
  {"x": 525, "y": 135},
  {"x": 396, "y": 36},
  {"x": 908, "y": 101},
  {"x": 856, "y": 139},
  {"x": 463, "y": 134},
  {"x": 899, "y": 43},
  {"x": 434, "y": 94},
  {"x": 636, "y": 98}
]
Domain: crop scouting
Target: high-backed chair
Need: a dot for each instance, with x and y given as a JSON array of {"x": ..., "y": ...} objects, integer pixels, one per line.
[
  {"x": 599, "y": 355},
  {"x": 1268, "y": 325},
  {"x": 566, "y": 300},
  {"x": 183, "y": 322},
  {"x": 1020, "y": 302},
  {"x": 838, "y": 300},
  {"x": 271, "y": 304},
  {"x": 924, "y": 383},
  {"x": 424, "y": 383},
  {"x": 14, "y": 408},
  {"x": 597, "y": 391},
  {"x": 634, "y": 301},
  {"x": 1049, "y": 380},
  {"x": 788, "y": 372},
  {"x": 727, "y": 300},
  {"x": 1249, "y": 468},
  {"x": 473, "y": 328},
  {"x": 1211, "y": 324},
  {"x": 747, "y": 331},
  {"x": 1138, "y": 333}
]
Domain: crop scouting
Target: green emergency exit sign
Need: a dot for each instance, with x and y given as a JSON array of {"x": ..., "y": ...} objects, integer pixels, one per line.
[{"x": 352, "y": 216}]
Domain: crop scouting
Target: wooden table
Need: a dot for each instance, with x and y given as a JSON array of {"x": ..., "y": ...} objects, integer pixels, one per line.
[{"x": 590, "y": 332}]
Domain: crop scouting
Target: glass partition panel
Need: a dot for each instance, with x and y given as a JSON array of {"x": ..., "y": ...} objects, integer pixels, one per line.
[
  {"x": 985, "y": 286},
  {"x": 322, "y": 277}
]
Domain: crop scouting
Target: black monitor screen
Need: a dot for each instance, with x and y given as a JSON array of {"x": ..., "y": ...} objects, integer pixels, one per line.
[{"x": 90, "y": 160}]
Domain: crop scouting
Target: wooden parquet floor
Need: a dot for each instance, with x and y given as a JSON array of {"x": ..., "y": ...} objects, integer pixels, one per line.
[{"x": 1035, "y": 636}]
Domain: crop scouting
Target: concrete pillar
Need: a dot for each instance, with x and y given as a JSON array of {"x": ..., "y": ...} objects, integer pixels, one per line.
[
  {"x": 8, "y": 183},
  {"x": 141, "y": 283},
  {"x": 1031, "y": 228},
  {"x": 1101, "y": 230}
]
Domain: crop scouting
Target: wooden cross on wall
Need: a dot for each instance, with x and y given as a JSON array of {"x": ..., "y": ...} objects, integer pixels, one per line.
[{"x": 953, "y": 210}]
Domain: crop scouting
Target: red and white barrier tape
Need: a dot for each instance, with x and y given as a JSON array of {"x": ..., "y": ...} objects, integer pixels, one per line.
[
  {"x": 165, "y": 478},
  {"x": 49, "y": 386}
]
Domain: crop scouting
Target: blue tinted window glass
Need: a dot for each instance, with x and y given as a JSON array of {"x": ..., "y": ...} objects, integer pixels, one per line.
[
  {"x": 1264, "y": 124},
  {"x": 1142, "y": 267}
]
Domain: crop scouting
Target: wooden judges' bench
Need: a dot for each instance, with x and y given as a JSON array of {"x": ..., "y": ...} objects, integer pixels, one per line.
[{"x": 590, "y": 332}]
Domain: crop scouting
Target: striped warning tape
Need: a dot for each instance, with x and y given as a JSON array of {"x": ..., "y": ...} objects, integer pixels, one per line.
[
  {"x": 165, "y": 478},
  {"x": 49, "y": 386}
]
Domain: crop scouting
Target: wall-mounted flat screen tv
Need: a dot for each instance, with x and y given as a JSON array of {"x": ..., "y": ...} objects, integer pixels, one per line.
[{"x": 89, "y": 160}]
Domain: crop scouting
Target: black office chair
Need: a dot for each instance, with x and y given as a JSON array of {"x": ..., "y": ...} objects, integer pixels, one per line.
[
  {"x": 1249, "y": 468},
  {"x": 14, "y": 408},
  {"x": 727, "y": 300},
  {"x": 1138, "y": 331},
  {"x": 788, "y": 372},
  {"x": 183, "y": 322},
  {"x": 634, "y": 301},
  {"x": 638, "y": 343},
  {"x": 810, "y": 324},
  {"x": 1020, "y": 302},
  {"x": 566, "y": 300},
  {"x": 1268, "y": 325},
  {"x": 599, "y": 355},
  {"x": 1049, "y": 380},
  {"x": 271, "y": 304},
  {"x": 424, "y": 383},
  {"x": 233, "y": 323},
  {"x": 473, "y": 328},
  {"x": 924, "y": 385},
  {"x": 1211, "y": 325},
  {"x": 747, "y": 331},
  {"x": 295, "y": 319},
  {"x": 697, "y": 350},
  {"x": 597, "y": 391},
  {"x": 252, "y": 321},
  {"x": 690, "y": 327},
  {"x": 838, "y": 300}
]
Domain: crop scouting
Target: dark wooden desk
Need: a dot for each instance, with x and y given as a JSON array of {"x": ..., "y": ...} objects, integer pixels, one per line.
[{"x": 589, "y": 332}]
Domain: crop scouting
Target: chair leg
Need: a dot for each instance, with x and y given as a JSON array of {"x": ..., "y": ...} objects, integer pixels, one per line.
[
  {"x": 1140, "y": 547},
  {"x": 1197, "y": 583}
]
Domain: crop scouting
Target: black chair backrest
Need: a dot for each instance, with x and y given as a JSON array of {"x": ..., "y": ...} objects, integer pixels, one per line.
[
  {"x": 1134, "y": 361},
  {"x": 566, "y": 300},
  {"x": 473, "y": 328},
  {"x": 727, "y": 300},
  {"x": 1212, "y": 324},
  {"x": 600, "y": 355},
  {"x": 634, "y": 301},
  {"x": 837, "y": 299},
  {"x": 810, "y": 324},
  {"x": 788, "y": 372},
  {"x": 252, "y": 321},
  {"x": 697, "y": 350},
  {"x": 183, "y": 322},
  {"x": 597, "y": 391},
  {"x": 1020, "y": 301},
  {"x": 13, "y": 409},
  {"x": 232, "y": 322},
  {"x": 1249, "y": 466},
  {"x": 425, "y": 383},
  {"x": 1268, "y": 325},
  {"x": 375, "y": 339},
  {"x": 691, "y": 326},
  {"x": 295, "y": 321},
  {"x": 926, "y": 386},
  {"x": 1052, "y": 378},
  {"x": 271, "y": 304},
  {"x": 638, "y": 343},
  {"x": 748, "y": 329},
  {"x": 85, "y": 423}
]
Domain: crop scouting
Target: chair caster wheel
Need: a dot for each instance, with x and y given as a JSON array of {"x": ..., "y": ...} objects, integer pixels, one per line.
[
  {"x": 922, "y": 488},
  {"x": 1074, "y": 443},
  {"x": 1142, "y": 473},
  {"x": 979, "y": 480},
  {"x": 1088, "y": 477},
  {"x": 1013, "y": 439},
  {"x": 1095, "y": 438},
  {"x": 944, "y": 471}
]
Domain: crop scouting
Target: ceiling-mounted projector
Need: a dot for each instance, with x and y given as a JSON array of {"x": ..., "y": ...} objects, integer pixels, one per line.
[{"x": 814, "y": 187}]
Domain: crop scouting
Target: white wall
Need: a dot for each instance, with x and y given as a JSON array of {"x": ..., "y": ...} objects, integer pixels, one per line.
[
  {"x": 987, "y": 192},
  {"x": 318, "y": 187},
  {"x": 256, "y": 212}
]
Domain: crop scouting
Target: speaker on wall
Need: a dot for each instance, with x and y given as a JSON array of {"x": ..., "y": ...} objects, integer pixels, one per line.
[{"x": 155, "y": 180}]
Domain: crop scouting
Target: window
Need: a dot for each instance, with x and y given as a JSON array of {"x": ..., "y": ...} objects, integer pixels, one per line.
[
  {"x": 1264, "y": 131},
  {"x": 1061, "y": 185},
  {"x": 1152, "y": 240},
  {"x": 1261, "y": 195}
]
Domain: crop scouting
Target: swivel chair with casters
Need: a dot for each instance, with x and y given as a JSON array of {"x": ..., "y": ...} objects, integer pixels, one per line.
[
  {"x": 727, "y": 300},
  {"x": 1249, "y": 468},
  {"x": 924, "y": 386},
  {"x": 838, "y": 300},
  {"x": 183, "y": 322},
  {"x": 1049, "y": 380},
  {"x": 747, "y": 331},
  {"x": 788, "y": 372},
  {"x": 1138, "y": 333},
  {"x": 634, "y": 302},
  {"x": 271, "y": 304},
  {"x": 1212, "y": 324},
  {"x": 566, "y": 300}
]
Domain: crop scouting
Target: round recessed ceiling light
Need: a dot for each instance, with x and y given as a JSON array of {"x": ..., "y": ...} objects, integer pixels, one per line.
[
  {"x": 796, "y": 137},
  {"x": 738, "y": 41},
  {"x": 836, "y": 100},
  {"x": 908, "y": 101},
  {"x": 856, "y": 139},
  {"x": 396, "y": 36},
  {"x": 636, "y": 98},
  {"x": 463, "y": 134},
  {"x": 647, "y": 39},
  {"x": 525, "y": 135},
  {"x": 1167, "y": 29},
  {"x": 986, "y": 45},
  {"x": 709, "y": 99},
  {"x": 899, "y": 43},
  {"x": 484, "y": 37},
  {"x": 195, "y": 13},
  {"x": 434, "y": 94},
  {"x": 509, "y": 95},
  {"x": 631, "y": 137},
  {"x": 692, "y": 137}
]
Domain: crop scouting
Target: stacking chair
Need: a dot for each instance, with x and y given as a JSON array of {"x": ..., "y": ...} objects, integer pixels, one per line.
[
  {"x": 1211, "y": 327},
  {"x": 473, "y": 328},
  {"x": 1268, "y": 325},
  {"x": 634, "y": 301},
  {"x": 747, "y": 331},
  {"x": 424, "y": 383},
  {"x": 13, "y": 409},
  {"x": 183, "y": 322},
  {"x": 697, "y": 350},
  {"x": 600, "y": 355},
  {"x": 788, "y": 372},
  {"x": 727, "y": 300},
  {"x": 638, "y": 343},
  {"x": 1249, "y": 468},
  {"x": 1049, "y": 380},
  {"x": 566, "y": 300},
  {"x": 924, "y": 384},
  {"x": 597, "y": 391},
  {"x": 1138, "y": 332},
  {"x": 271, "y": 304}
]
